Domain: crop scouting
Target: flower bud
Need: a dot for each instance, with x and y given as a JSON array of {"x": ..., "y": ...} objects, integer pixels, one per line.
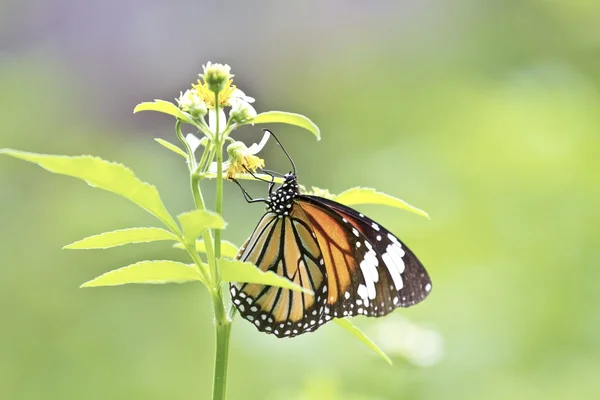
[
  {"x": 191, "y": 103},
  {"x": 241, "y": 111},
  {"x": 216, "y": 76}
]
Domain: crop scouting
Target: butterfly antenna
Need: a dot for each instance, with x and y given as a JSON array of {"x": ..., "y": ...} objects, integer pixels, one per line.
[{"x": 282, "y": 148}]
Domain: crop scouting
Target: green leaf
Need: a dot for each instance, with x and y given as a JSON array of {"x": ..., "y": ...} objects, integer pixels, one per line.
[
  {"x": 286, "y": 118},
  {"x": 149, "y": 272},
  {"x": 241, "y": 271},
  {"x": 122, "y": 236},
  {"x": 353, "y": 329},
  {"x": 113, "y": 177},
  {"x": 194, "y": 223},
  {"x": 171, "y": 147},
  {"x": 166, "y": 108},
  {"x": 228, "y": 249},
  {"x": 360, "y": 195}
]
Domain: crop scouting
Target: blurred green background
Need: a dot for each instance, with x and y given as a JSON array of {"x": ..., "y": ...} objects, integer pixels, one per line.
[{"x": 484, "y": 113}]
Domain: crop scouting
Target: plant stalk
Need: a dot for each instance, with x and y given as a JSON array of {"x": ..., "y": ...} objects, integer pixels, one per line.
[
  {"x": 222, "y": 322},
  {"x": 223, "y": 332}
]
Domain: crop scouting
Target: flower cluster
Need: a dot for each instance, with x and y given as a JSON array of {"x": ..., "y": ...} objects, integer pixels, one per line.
[
  {"x": 215, "y": 87},
  {"x": 216, "y": 107},
  {"x": 214, "y": 92}
]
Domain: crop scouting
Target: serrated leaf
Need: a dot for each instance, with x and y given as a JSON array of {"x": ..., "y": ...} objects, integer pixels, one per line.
[
  {"x": 166, "y": 108},
  {"x": 360, "y": 195},
  {"x": 148, "y": 272},
  {"x": 113, "y": 177},
  {"x": 171, "y": 147},
  {"x": 241, "y": 271},
  {"x": 194, "y": 223},
  {"x": 357, "y": 333},
  {"x": 228, "y": 249},
  {"x": 121, "y": 237},
  {"x": 283, "y": 117}
]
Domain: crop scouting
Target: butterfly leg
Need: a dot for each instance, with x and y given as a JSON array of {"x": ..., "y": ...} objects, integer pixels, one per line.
[
  {"x": 272, "y": 175},
  {"x": 271, "y": 182},
  {"x": 247, "y": 197}
]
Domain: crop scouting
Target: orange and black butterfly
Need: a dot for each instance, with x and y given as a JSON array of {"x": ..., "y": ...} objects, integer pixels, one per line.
[{"x": 353, "y": 265}]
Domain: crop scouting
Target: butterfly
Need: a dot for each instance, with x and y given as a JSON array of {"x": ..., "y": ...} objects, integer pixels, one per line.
[{"x": 352, "y": 264}]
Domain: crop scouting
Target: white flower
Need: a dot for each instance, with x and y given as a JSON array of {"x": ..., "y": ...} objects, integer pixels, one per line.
[
  {"x": 255, "y": 148},
  {"x": 212, "y": 120},
  {"x": 193, "y": 141},
  {"x": 241, "y": 156},
  {"x": 238, "y": 95},
  {"x": 241, "y": 111}
]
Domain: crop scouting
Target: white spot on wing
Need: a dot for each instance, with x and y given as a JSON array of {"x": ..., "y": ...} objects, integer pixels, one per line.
[
  {"x": 369, "y": 265},
  {"x": 362, "y": 291},
  {"x": 390, "y": 263},
  {"x": 396, "y": 252},
  {"x": 369, "y": 280}
]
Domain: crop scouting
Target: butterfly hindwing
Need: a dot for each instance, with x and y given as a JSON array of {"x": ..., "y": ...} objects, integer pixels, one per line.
[{"x": 287, "y": 247}]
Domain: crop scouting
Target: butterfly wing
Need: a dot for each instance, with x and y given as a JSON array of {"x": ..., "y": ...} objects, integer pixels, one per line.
[
  {"x": 286, "y": 246},
  {"x": 353, "y": 265},
  {"x": 370, "y": 271}
]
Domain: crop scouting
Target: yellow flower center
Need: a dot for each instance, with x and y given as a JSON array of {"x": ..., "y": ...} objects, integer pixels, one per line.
[
  {"x": 209, "y": 97},
  {"x": 240, "y": 165}
]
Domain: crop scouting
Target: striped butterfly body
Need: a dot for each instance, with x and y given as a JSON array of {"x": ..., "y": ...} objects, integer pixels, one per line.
[{"x": 353, "y": 265}]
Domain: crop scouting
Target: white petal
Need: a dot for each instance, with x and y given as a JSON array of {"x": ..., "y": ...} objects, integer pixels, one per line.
[
  {"x": 255, "y": 148},
  {"x": 212, "y": 120},
  {"x": 238, "y": 94},
  {"x": 193, "y": 141},
  {"x": 250, "y": 111},
  {"x": 212, "y": 168}
]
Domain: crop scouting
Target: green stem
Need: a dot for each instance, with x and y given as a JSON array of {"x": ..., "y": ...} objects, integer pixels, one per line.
[
  {"x": 222, "y": 322},
  {"x": 219, "y": 194},
  {"x": 191, "y": 249},
  {"x": 206, "y": 236},
  {"x": 219, "y": 206},
  {"x": 188, "y": 149},
  {"x": 223, "y": 332},
  {"x": 204, "y": 158}
]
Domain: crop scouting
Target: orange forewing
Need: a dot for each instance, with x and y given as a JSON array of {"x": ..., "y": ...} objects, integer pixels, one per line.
[{"x": 336, "y": 250}]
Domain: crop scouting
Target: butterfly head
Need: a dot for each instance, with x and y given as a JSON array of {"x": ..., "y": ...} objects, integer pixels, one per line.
[{"x": 281, "y": 200}]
